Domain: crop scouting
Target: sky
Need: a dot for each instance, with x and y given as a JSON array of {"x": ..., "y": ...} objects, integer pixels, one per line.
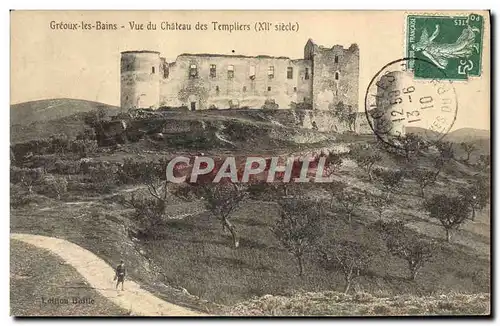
[{"x": 47, "y": 62}]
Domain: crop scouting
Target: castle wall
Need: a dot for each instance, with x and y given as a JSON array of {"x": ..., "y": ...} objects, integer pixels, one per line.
[
  {"x": 335, "y": 75},
  {"x": 222, "y": 92},
  {"x": 140, "y": 79}
]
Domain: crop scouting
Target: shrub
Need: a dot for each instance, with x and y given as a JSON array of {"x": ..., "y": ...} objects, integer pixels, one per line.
[
  {"x": 148, "y": 215},
  {"x": 54, "y": 187},
  {"x": 270, "y": 104},
  {"x": 19, "y": 197},
  {"x": 103, "y": 177},
  {"x": 365, "y": 158},
  {"x": 84, "y": 147},
  {"x": 66, "y": 167},
  {"x": 26, "y": 177},
  {"x": 300, "y": 106}
]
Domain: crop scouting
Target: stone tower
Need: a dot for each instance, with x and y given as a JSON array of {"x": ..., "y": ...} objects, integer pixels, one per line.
[
  {"x": 140, "y": 79},
  {"x": 335, "y": 73}
]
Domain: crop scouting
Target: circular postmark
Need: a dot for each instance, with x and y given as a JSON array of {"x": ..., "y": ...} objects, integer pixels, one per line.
[{"x": 397, "y": 103}]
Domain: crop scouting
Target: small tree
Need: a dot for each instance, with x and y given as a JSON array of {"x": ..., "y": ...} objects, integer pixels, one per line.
[
  {"x": 450, "y": 211},
  {"x": 298, "y": 227},
  {"x": 469, "y": 148},
  {"x": 334, "y": 188},
  {"x": 348, "y": 201},
  {"x": 333, "y": 162},
  {"x": 410, "y": 145},
  {"x": 477, "y": 195},
  {"x": 153, "y": 175},
  {"x": 27, "y": 177},
  {"x": 380, "y": 203},
  {"x": 445, "y": 150},
  {"x": 366, "y": 159},
  {"x": 390, "y": 180},
  {"x": 54, "y": 186},
  {"x": 484, "y": 162},
  {"x": 148, "y": 215},
  {"x": 403, "y": 243},
  {"x": 222, "y": 199},
  {"x": 423, "y": 178},
  {"x": 446, "y": 153},
  {"x": 350, "y": 257}
]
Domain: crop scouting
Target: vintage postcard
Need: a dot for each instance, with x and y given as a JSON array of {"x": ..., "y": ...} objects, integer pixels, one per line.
[{"x": 250, "y": 163}]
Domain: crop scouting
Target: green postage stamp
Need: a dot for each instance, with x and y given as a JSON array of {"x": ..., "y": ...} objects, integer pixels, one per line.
[{"x": 452, "y": 43}]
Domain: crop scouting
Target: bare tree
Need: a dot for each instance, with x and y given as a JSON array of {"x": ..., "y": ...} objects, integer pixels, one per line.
[
  {"x": 298, "y": 227},
  {"x": 390, "y": 180},
  {"x": 222, "y": 199},
  {"x": 469, "y": 148},
  {"x": 366, "y": 159},
  {"x": 348, "y": 201},
  {"x": 27, "y": 177},
  {"x": 477, "y": 195},
  {"x": 333, "y": 163},
  {"x": 410, "y": 144},
  {"x": 379, "y": 203},
  {"x": 484, "y": 162},
  {"x": 350, "y": 257},
  {"x": 403, "y": 243},
  {"x": 446, "y": 152},
  {"x": 153, "y": 175},
  {"x": 334, "y": 188},
  {"x": 450, "y": 211},
  {"x": 424, "y": 178}
]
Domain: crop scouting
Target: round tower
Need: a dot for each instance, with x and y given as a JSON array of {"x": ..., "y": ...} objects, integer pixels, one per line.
[{"x": 140, "y": 79}]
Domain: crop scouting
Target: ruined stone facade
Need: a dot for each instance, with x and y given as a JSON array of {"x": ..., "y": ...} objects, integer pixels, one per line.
[{"x": 325, "y": 77}]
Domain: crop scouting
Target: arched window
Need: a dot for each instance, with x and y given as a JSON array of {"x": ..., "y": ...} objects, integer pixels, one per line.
[
  {"x": 336, "y": 75},
  {"x": 336, "y": 59},
  {"x": 153, "y": 70}
]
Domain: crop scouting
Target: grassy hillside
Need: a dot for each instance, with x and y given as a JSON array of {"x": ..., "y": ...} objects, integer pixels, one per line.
[
  {"x": 52, "y": 109},
  {"x": 186, "y": 256},
  {"x": 467, "y": 134},
  {"x": 44, "y": 118}
]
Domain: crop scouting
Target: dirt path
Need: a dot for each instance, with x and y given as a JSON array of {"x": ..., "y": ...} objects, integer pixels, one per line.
[{"x": 100, "y": 277}]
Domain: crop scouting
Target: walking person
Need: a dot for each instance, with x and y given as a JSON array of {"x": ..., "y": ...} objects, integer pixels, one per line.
[{"x": 120, "y": 273}]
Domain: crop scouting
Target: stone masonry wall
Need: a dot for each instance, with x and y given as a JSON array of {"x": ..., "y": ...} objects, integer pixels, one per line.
[{"x": 222, "y": 92}]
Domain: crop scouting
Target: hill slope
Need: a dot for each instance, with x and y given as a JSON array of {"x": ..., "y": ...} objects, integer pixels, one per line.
[
  {"x": 468, "y": 134},
  {"x": 51, "y": 109}
]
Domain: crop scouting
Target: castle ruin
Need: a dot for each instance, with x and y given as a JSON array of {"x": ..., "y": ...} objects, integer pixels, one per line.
[{"x": 319, "y": 81}]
